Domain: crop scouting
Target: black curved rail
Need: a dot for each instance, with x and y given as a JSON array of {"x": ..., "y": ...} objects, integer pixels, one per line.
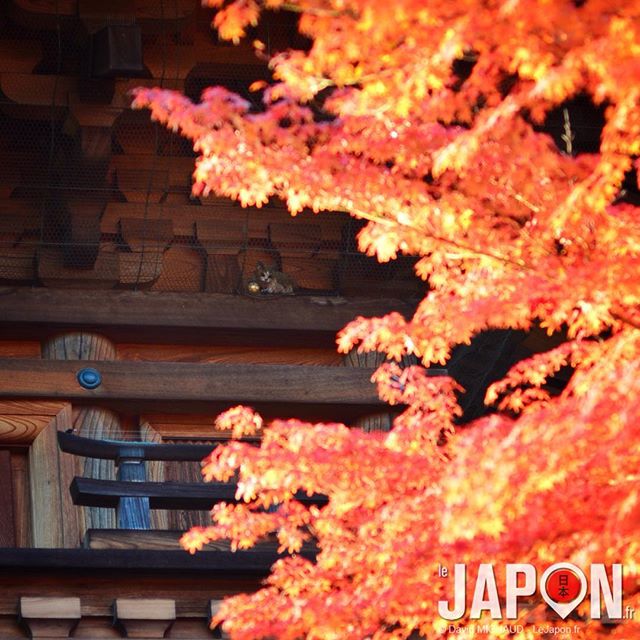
[{"x": 115, "y": 449}]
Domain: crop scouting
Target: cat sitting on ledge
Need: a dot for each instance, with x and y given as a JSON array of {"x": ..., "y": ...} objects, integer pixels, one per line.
[{"x": 270, "y": 281}]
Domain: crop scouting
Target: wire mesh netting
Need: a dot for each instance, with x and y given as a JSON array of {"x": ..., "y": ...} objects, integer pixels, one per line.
[{"x": 96, "y": 195}]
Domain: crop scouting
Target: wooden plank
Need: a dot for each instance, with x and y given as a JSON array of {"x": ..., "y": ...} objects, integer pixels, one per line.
[
  {"x": 182, "y": 382},
  {"x": 183, "y": 312},
  {"x": 191, "y": 473},
  {"x": 178, "y": 428},
  {"x": 31, "y": 407},
  {"x": 162, "y": 495},
  {"x": 7, "y": 521},
  {"x": 53, "y": 516},
  {"x": 162, "y": 540},
  {"x": 19, "y": 349},
  {"x": 225, "y": 355}
]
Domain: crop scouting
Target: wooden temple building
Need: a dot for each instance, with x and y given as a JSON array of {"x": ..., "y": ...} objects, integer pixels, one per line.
[{"x": 125, "y": 318}]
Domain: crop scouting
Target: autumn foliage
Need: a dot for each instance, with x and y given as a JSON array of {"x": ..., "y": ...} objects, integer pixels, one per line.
[{"x": 426, "y": 118}]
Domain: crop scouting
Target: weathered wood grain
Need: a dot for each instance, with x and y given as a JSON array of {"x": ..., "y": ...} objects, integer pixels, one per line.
[
  {"x": 168, "y": 540},
  {"x": 183, "y": 519},
  {"x": 19, "y": 349},
  {"x": 144, "y": 618},
  {"x": 50, "y": 408},
  {"x": 229, "y": 354},
  {"x": 49, "y": 617},
  {"x": 46, "y": 607},
  {"x": 182, "y": 382},
  {"x": 21, "y": 429},
  {"x": 185, "y": 217},
  {"x": 183, "y": 270},
  {"x": 145, "y": 609},
  {"x": 54, "y": 518},
  {"x": 21, "y": 497},
  {"x": 380, "y": 420},
  {"x": 100, "y": 576},
  {"x": 161, "y": 540},
  {"x": 154, "y": 472},
  {"x": 88, "y": 421},
  {"x": 181, "y": 427},
  {"x": 177, "y": 317},
  {"x": 7, "y": 520}
]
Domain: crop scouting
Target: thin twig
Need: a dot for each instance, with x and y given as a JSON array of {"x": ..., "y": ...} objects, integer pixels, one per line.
[{"x": 567, "y": 136}]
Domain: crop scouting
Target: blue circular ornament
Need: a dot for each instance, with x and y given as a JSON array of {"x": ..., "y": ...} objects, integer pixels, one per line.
[{"x": 89, "y": 378}]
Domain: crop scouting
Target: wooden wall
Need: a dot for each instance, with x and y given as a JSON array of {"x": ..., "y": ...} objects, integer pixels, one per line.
[
  {"x": 38, "y": 507},
  {"x": 95, "y": 195}
]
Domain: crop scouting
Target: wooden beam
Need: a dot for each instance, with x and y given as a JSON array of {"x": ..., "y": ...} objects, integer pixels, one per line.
[
  {"x": 136, "y": 560},
  {"x": 205, "y": 353},
  {"x": 182, "y": 382},
  {"x": 177, "y": 315},
  {"x": 21, "y": 430}
]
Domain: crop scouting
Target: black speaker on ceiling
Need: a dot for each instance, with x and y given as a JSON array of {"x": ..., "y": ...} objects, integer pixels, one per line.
[{"x": 117, "y": 51}]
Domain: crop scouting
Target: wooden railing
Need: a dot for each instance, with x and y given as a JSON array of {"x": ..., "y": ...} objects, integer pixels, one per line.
[{"x": 131, "y": 495}]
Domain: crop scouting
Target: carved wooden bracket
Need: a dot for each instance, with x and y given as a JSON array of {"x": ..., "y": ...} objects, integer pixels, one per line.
[
  {"x": 140, "y": 618},
  {"x": 48, "y": 618}
]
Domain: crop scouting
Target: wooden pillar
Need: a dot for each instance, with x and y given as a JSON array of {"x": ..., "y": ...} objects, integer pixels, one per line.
[
  {"x": 55, "y": 520},
  {"x": 132, "y": 513},
  {"x": 7, "y": 522},
  {"x": 90, "y": 422},
  {"x": 381, "y": 420}
]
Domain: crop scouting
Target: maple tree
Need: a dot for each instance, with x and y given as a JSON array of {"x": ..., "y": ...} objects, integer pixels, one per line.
[{"x": 425, "y": 118}]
